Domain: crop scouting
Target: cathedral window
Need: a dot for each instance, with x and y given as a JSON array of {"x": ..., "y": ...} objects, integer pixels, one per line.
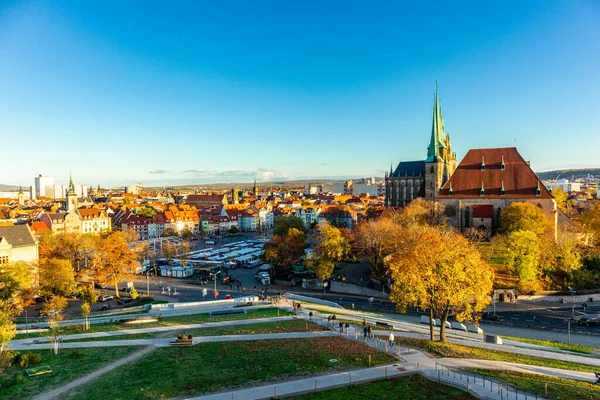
[{"x": 467, "y": 217}]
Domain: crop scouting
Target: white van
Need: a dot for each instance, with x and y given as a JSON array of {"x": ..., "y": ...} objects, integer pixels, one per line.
[{"x": 209, "y": 242}]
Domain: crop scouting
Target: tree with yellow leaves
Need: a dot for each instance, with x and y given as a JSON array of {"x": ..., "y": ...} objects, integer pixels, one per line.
[
  {"x": 114, "y": 261},
  {"x": 439, "y": 270}
]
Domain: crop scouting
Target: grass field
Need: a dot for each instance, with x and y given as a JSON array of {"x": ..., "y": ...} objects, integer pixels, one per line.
[
  {"x": 66, "y": 367},
  {"x": 409, "y": 387},
  {"x": 557, "y": 345},
  {"x": 252, "y": 329},
  {"x": 211, "y": 367},
  {"x": 558, "y": 388},
  {"x": 168, "y": 321},
  {"x": 443, "y": 350}
]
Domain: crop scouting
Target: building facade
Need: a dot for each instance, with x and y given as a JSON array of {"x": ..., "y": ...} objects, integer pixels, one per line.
[{"x": 487, "y": 181}]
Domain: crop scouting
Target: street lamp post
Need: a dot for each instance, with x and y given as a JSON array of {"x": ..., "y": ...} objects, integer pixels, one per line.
[{"x": 494, "y": 300}]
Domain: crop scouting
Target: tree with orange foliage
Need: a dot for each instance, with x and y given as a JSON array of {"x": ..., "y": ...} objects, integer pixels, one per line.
[
  {"x": 439, "y": 270},
  {"x": 114, "y": 261}
]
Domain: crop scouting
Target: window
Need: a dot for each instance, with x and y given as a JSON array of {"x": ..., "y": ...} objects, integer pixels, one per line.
[{"x": 3, "y": 260}]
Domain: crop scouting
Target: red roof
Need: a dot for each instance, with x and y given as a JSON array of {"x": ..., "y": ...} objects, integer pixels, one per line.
[{"x": 517, "y": 177}]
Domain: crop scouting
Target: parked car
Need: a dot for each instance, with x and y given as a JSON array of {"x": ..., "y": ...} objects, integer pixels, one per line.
[
  {"x": 587, "y": 321},
  {"x": 228, "y": 297},
  {"x": 125, "y": 300},
  {"x": 103, "y": 299}
]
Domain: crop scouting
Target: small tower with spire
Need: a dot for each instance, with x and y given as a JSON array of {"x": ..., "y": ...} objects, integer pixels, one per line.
[
  {"x": 441, "y": 161},
  {"x": 254, "y": 191},
  {"x": 21, "y": 196},
  {"x": 71, "y": 195}
]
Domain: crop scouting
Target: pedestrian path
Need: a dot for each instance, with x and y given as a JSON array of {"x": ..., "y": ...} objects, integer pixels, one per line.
[
  {"x": 125, "y": 332},
  {"x": 309, "y": 385},
  {"x": 507, "y": 366},
  {"x": 165, "y": 342}
]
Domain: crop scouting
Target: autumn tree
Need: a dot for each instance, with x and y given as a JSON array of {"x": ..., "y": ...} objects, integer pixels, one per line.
[
  {"x": 186, "y": 234},
  {"x": 8, "y": 330},
  {"x": 524, "y": 217},
  {"x": 284, "y": 223},
  {"x": 169, "y": 251},
  {"x": 590, "y": 222},
  {"x": 333, "y": 245},
  {"x": 114, "y": 261},
  {"x": 182, "y": 251},
  {"x": 376, "y": 240},
  {"x": 56, "y": 275},
  {"x": 283, "y": 251},
  {"x": 147, "y": 212},
  {"x": 442, "y": 272},
  {"x": 131, "y": 235},
  {"x": 86, "y": 309},
  {"x": 422, "y": 212},
  {"x": 522, "y": 255},
  {"x": 53, "y": 311},
  {"x": 560, "y": 197},
  {"x": 321, "y": 266}
]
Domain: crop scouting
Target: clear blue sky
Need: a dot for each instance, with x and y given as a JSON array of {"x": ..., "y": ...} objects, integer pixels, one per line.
[{"x": 205, "y": 91}]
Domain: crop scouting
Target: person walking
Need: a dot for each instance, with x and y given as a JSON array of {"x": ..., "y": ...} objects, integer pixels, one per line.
[
  {"x": 364, "y": 323},
  {"x": 310, "y": 314},
  {"x": 365, "y": 332},
  {"x": 370, "y": 332},
  {"x": 391, "y": 339}
]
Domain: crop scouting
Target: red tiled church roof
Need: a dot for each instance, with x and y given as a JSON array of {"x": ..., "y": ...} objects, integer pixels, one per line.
[{"x": 517, "y": 177}]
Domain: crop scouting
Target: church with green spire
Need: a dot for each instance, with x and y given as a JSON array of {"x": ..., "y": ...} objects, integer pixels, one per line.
[{"x": 423, "y": 179}]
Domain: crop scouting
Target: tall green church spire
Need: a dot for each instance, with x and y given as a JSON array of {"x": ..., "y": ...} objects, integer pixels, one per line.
[
  {"x": 71, "y": 186},
  {"x": 437, "y": 130}
]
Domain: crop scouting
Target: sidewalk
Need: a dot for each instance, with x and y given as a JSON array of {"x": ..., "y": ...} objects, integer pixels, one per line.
[
  {"x": 309, "y": 385},
  {"x": 165, "y": 342},
  {"x": 126, "y": 332}
]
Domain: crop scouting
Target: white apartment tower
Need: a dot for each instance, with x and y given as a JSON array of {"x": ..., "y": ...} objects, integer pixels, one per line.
[{"x": 39, "y": 186}]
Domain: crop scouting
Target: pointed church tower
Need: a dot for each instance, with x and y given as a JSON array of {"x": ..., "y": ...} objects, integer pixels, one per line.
[
  {"x": 254, "y": 192},
  {"x": 21, "y": 196},
  {"x": 71, "y": 195},
  {"x": 441, "y": 161}
]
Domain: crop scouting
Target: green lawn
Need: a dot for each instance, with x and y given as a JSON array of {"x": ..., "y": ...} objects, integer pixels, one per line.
[
  {"x": 295, "y": 325},
  {"x": 558, "y": 388},
  {"x": 66, "y": 367},
  {"x": 449, "y": 350},
  {"x": 168, "y": 321},
  {"x": 557, "y": 345},
  {"x": 409, "y": 387},
  {"x": 179, "y": 372}
]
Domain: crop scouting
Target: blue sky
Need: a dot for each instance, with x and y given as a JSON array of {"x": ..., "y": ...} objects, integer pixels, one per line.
[{"x": 225, "y": 91}]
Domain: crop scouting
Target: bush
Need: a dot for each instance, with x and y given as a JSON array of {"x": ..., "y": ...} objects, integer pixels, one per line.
[
  {"x": 22, "y": 360},
  {"x": 35, "y": 358}
]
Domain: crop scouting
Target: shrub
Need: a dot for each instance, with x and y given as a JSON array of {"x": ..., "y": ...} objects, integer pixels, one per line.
[
  {"x": 35, "y": 358},
  {"x": 22, "y": 360}
]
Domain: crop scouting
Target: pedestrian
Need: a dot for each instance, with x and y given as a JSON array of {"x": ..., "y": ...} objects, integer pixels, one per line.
[
  {"x": 391, "y": 339},
  {"x": 347, "y": 326},
  {"x": 341, "y": 325},
  {"x": 243, "y": 290},
  {"x": 364, "y": 322},
  {"x": 365, "y": 332},
  {"x": 310, "y": 314},
  {"x": 370, "y": 332},
  {"x": 255, "y": 288}
]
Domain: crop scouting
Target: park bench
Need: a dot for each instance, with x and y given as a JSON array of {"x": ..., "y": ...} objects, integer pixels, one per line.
[
  {"x": 183, "y": 340},
  {"x": 228, "y": 311}
]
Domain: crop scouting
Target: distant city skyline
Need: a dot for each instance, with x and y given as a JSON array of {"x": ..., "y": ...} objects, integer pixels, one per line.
[{"x": 202, "y": 93}]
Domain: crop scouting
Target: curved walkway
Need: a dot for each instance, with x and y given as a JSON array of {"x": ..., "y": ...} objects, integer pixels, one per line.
[{"x": 56, "y": 393}]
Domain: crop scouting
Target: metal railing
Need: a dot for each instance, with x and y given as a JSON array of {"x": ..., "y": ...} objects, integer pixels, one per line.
[{"x": 496, "y": 387}]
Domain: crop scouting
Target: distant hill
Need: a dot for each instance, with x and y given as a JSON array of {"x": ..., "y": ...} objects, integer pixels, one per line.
[
  {"x": 570, "y": 173},
  {"x": 8, "y": 187}
]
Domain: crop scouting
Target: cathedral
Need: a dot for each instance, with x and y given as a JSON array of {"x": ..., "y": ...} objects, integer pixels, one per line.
[{"x": 424, "y": 179}]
